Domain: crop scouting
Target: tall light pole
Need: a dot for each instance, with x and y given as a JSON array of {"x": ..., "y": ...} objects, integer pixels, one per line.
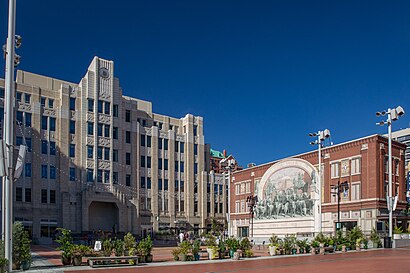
[
  {"x": 252, "y": 201},
  {"x": 321, "y": 136},
  {"x": 337, "y": 189},
  {"x": 229, "y": 167},
  {"x": 392, "y": 115}
]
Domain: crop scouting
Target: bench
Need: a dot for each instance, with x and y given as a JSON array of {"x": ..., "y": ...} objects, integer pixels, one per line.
[{"x": 112, "y": 261}]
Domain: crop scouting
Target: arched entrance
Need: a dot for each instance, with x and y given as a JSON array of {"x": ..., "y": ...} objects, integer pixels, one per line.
[{"x": 103, "y": 216}]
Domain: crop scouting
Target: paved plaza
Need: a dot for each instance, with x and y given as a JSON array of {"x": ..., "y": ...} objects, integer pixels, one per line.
[{"x": 47, "y": 260}]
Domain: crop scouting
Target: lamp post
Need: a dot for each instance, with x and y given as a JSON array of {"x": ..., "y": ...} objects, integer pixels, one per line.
[
  {"x": 229, "y": 167},
  {"x": 252, "y": 200},
  {"x": 392, "y": 115},
  {"x": 338, "y": 188},
  {"x": 321, "y": 136}
]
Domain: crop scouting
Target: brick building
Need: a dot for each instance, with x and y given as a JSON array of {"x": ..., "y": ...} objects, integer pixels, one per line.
[{"x": 361, "y": 163}]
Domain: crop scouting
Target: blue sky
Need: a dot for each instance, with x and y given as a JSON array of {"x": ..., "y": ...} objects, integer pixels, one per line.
[{"x": 263, "y": 74}]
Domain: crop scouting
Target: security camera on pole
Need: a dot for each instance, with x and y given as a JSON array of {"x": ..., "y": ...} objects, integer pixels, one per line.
[
  {"x": 321, "y": 137},
  {"x": 392, "y": 115}
]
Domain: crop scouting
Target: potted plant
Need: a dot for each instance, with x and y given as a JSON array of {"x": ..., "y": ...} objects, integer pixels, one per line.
[
  {"x": 196, "y": 246},
  {"x": 248, "y": 253},
  {"x": 222, "y": 249},
  {"x": 145, "y": 246},
  {"x": 273, "y": 244},
  {"x": 212, "y": 247},
  {"x": 21, "y": 247},
  {"x": 132, "y": 252},
  {"x": 233, "y": 245},
  {"x": 245, "y": 245},
  {"x": 175, "y": 254},
  {"x": 78, "y": 252},
  {"x": 66, "y": 245},
  {"x": 289, "y": 243},
  {"x": 352, "y": 236},
  {"x": 119, "y": 247},
  {"x": 397, "y": 232},
  {"x": 129, "y": 242},
  {"x": 107, "y": 247},
  {"x": 3, "y": 263},
  {"x": 375, "y": 238},
  {"x": 314, "y": 246},
  {"x": 302, "y": 245},
  {"x": 184, "y": 248}
]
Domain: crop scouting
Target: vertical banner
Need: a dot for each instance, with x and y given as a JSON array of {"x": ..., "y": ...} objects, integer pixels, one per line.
[{"x": 408, "y": 187}]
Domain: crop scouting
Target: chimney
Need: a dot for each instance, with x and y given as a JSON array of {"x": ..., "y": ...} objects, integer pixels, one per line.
[{"x": 224, "y": 152}]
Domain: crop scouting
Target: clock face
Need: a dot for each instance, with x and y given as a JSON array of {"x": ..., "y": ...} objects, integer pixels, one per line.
[{"x": 104, "y": 73}]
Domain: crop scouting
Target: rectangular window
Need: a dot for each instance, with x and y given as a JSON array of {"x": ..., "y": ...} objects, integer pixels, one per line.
[
  {"x": 27, "y": 119},
  {"x": 176, "y": 146},
  {"x": 335, "y": 170},
  {"x": 19, "y": 194},
  {"x": 44, "y": 171},
  {"x": 50, "y": 103},
  {"x": 90, "y": 151},
  {"x": 44, "y": 121},
  {"x": 115, "y": 132},
  {"x": 165, "y": 144},
  {"x": 52, "y": 124},
  {"x": 181, "y": 147},
  {"x": 27, "y": 195},
  {"x": 99, "y": 152},
  {"x": 159, "y": 143},
  {"x": 396, "y": 167},
  {"x": 355, "y": 191},
  {"x": 52, "y": 172},
  {"x": 90, "y": 105},
  {"x": 160, "y": 163},
  {"x": 107, "y": 107},
  {"x": 148, "y": 182},
  {"x": 142, "y": 140},
  {"x": 19, "y": 117},
  {"x": 44, "y": 196},
  {"x": 1, "y": 92},
  {"x": 128, "y": 158},
  {"x": 43, "y": 101},
  {"x": 72, "y": 174},
  {"x": 195, "y": 149},
  {"x": 127, "y": 116},
  {"x": 106, "y": 176},
  {"x": 160, "y": 184},
  {"x": 100, "y": 106},
  {"x": 115, "y": 155},
  {"x": 18, "y": 96},
  {"x": 142, "y": 182},
  {"x": 107, "y": 130},
  {"x": 72, "y": 150},
  {"x": 52, "y": 148},
  {"x": 99, "y": 129},
  {"x": 72, "y": 104},
  {"x": 176, "y": 166},
  {"x": 356, "y": 166},
  {"x": 181, "y": 167},
  {"x": 165, "y": 184},
  {"x": 127, "y": 137},
  {"x": 115, "y": 177},
  {"x": 115, "y": 110},
  {"x": 72, "y": 127},
  {"x": 27, "y": 98},
  {"x": 28, "y": 143},
  {"x": 195, "y": 168},
  {"x": 44, "y": 147},
  {"x": 99, "y": 176},
  {"x": 106, "y": 153},
  {"x": 52, "y": 196},
  {"x": 195, "y": 130},
  {"x": 90, "y": 128},
  {"x": 181, "y": 186},
  {"x": 27, "y": 169},
  {"x": 143, "y": 161},
  {"x": 176, "y": 185},
  {"x": 166, "y": 164},
  {"x": 148, "y": 141},
  {"x": 90, "y": 175},
  {"x": 148, "y": 162},
  {"x": 128, "y": 180}
]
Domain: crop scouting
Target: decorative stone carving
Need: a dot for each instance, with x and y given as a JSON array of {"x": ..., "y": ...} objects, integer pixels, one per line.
[
  {"x": 24, "y": 106},
  {"x": 163, "y": 134},
  {"x": 103, "y": 164},
  {"x": 327, "y": 155},
  {"x": 90, "y": 141},
  {"x": 104, "y": 141},
  {"x": 73, "y": 115},
  {"x": 104, "y": 118},
  {"x": 90, "y": 164},
  {"x": 365, "y": 146},
  {"x": 50, "y": 112},
  {"x": 381, "y": 146}
]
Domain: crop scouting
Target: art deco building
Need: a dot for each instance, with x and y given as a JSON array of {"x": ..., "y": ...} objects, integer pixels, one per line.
[{"x": 100, "y": 160}]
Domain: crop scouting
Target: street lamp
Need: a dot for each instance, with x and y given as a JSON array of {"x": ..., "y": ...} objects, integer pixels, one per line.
[
  {"x": 340, "y": 187},
  {"x": 392, "y": 115},
  {"x": 229, "y": 168},
  {"x": 252, "y": 200},
  {"x": 321, "y": 137}
]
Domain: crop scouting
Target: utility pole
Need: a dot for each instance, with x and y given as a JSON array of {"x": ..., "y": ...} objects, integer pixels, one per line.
[{"x": 8, "y": 136}]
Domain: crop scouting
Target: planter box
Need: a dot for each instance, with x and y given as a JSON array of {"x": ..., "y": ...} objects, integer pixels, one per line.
[
  {"x": 272, "y": 250},
  {"x": 396, "y": 236}
]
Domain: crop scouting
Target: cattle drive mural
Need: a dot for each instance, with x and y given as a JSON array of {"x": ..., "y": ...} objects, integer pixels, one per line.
[{"x": 286, "y": 190}]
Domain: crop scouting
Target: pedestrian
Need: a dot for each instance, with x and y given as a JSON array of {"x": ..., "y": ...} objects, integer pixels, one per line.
[{"x": 181, "y": 237}]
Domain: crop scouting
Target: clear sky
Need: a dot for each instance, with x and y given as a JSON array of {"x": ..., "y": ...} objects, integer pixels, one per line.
[{"x": 263, "y": 74}]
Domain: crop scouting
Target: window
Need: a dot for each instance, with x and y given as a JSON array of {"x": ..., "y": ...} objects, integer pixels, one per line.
[
  {"x": 142, "y": 182},
  {"x": 181, "y": 186},
  {"x": 27, "y": 119},
  {"x": 90, "y": 151},
  {"x": 148, "y": 182},
  {"x": 148, "y": 141},
  {"x": 90, "y": 175},
  {"x": 148, "y": 162},
  {"x": 335, "y": 170},
  {"x": 176, "y": 146},
  {"x": 107, "y": 130},
  {"x": 115, "y": 132},
  {"x": 115, "y": 155},
  {"x": 160, "y": 184},
  {"x": 165, "y": 144},
  {"x": 72, "y": 150},
  {"x": 52, "y": 172},
  {"x": 90, "y": 128},
  {"x": 107, "y": 108},
  {"x": 1, "y": 92},
  {"x": 195, "y": 149},
  {"x": 128, "y": 158},
  {"x": 50, "y": 103},
  {"x": 72, "y": 127},
  {"x": 127, "y": 116},
  {"x": 106, "y": 176},
  {"x": 166, "y": 164},
  {"x": 52, "y": 124},
  {"x": 44, "y": 196},
  {"x": 100, "y": 106},
  {"x": 44, "y": 147},
  {"x": 142, "y": 140},
  {"x": 237, "y": 189},
  {"x": 43, "y": 101},
  {"x": 19, "y": 141},
  {"x": 19, "y": 194},
  {"x": 19, "y": 117},
  {"x": 72, "y": 104},
  {"x": 181, "y": 147},
  {"x": 396, "y": 167},
  {"x": 18, "y": 96},
  {"x": 99, "y": 152},
  {"x": 27, "y": 98},
  {"x": 128, "y": 180},
  {"x": 72, "y": 174},
  {"x": 52, "y": 196},
  {"x": 237, "y": 206},
  {"x": 106, "y": 153},
  {"x": 143, "y": 161},
  {"x": 27, "y": 169},
  {"x": 195, "y": 168},
  {"x": 176, "y": 166},
  {"x": 115, "y": 177},
  {"x": 159, "y": 143},
  {"x": 127, "y": 137},
  {"x": 115, "y": 110},
  {"x": 99, "y": 129},
  {"x": 99, "y": 176},
  {"x": 91, "y": 105},
  {"x": 165, "y": 184},
  {"x": 27, "y": 195},
  {"x": 160, "y": 163},
  {"x": 195, "y": 130},
  {"x": 355, "y": 191},
  {"x": 181, "y": 167},
  {"x": 356, "y": 166},
  {"x": 28, "y": 143},
  {"x": 44, "y": 171},
  {"x": 52, "y": 148}
]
